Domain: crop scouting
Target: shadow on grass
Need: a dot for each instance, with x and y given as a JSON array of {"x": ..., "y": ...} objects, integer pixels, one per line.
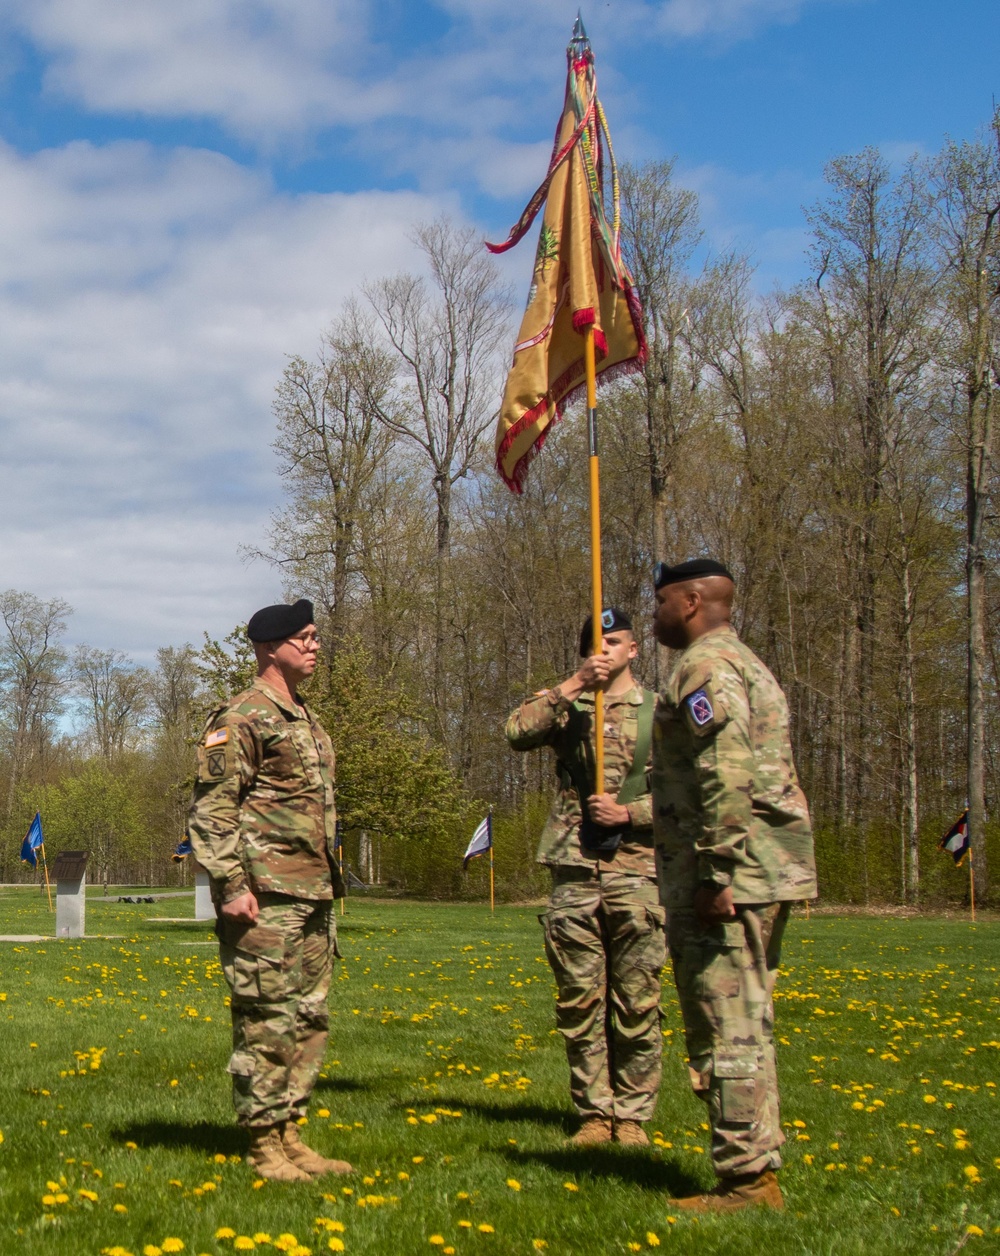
[
  {"x": 630, "y": 1167},
  {"x": 345, "y": 1085},
  {"x": 207, "y": 1136},
  {"x": 508, "y": 1114}
]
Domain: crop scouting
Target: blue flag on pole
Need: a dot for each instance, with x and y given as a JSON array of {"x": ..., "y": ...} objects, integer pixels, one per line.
[
  {"x": 481, "y": 842},
  {"x": 182, "y": 850},
  {"x": 32, "y": 840}
]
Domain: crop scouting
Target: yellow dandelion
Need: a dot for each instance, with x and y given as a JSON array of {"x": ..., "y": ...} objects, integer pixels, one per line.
[
  {"x": 225, "y": 1232},
  {"x": 570, "y": 1186},
  {"x": 219, "y": 1158},
  {"x": 652, "y": 1240},
  {"x": 514, "y": 1184},
  {"x": 172, "y": 1245},
  {"x": 539, "y": 1244},
  {"x": 486, "y": 1229},
  {"x": 152, "y": 1250},
  {"x": 465, "y": 1225},
  {"x": 930, "y": 1098},
  {"x": 436, "y": 1240},
  {"x": 335, "y": 1244},
  {"x": 243, "y": 1243},
  {"x": 974, "y": 1230},
  {"x": 119, "y": 1208}
]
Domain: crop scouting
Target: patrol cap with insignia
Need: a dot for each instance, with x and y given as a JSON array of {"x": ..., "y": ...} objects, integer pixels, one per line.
[
  {"x": 612, "y": 620},
  {"x": 693, "y": 569},
  {"x": 275, "y": 623}
]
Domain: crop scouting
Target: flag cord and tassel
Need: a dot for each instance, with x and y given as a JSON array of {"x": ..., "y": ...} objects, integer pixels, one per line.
[
  {"x": 597, "y": 593},
  {"x": 45, "y": 869}
]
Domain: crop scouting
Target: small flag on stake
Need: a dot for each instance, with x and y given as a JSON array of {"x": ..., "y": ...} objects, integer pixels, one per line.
[
  {"x": 182, "y": 850},
  {"x": 956, "y": 840},
  {"x": 482, "y": 841},
  {"x": 32, "y": 840}
]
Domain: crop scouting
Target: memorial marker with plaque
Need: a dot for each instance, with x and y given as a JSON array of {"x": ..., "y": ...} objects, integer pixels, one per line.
[{"x": 70, "y": 874}]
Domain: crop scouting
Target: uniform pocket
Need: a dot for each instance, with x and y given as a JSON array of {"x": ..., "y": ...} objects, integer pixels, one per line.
[
  {"x": 715, "y": 958},
  {"x": 736, "y": 1078},
  {"x": 252, "y": 978},
  {"x": 242, "y": 1064}
]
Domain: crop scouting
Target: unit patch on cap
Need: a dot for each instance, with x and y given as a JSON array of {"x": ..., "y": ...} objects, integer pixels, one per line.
[
  {"x": 607, "y": 620},
  {"x": 699, "y": 704}
]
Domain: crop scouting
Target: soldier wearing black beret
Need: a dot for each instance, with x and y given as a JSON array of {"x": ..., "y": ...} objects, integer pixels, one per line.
[
  {"x": 604, "y": 925},
  {"x": 262, "y": 824}
]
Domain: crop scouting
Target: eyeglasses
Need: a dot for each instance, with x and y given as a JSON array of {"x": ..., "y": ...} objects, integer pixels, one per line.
[{"x": 306, "y": 643}]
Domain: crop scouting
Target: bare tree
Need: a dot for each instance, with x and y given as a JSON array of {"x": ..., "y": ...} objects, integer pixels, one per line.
[
  {"x": 873, "y": 295},
  {"x": 32, "y": 679},
  {"x": 660, "y": 233},
  {"x": 330, "y": 446},
  {"x": 446, "y": 336},
  {"x": 116, "y": 696},
  {"x": 968, "y": 181}
]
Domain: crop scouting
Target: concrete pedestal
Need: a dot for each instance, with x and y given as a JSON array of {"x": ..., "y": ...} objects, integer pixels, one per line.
[
  {"x": 203, "y": 908},
  {"x": 70, "y": 875}
]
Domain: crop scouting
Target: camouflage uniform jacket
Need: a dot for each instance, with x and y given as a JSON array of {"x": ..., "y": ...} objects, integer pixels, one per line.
[
  {"x": 728, "y": 807},
  {"x": 262, "y": 815},
  {"x": 544, "y": 721}
]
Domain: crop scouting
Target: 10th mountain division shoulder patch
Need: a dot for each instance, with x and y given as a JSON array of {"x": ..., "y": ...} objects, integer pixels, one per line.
[{"x": 699, "y": 705}]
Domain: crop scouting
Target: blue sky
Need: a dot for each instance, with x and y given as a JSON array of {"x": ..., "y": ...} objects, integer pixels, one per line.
[{"x": 190, "y": 188}]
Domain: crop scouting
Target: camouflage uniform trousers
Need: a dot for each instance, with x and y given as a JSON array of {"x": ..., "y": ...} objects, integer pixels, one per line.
[
  {"x": 279, "y": 973},
  {"x": 725, "y": 978},
  {"x": 604, "y": 937}
]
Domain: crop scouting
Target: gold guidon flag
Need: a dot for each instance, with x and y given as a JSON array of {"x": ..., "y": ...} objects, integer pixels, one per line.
[{"x": 579, "y": 278}]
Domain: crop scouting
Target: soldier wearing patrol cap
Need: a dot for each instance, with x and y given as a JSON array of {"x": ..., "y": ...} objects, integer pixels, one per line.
[
  {"x": 262, "y": 824},
  {"x": 734, "y": 850},
  {"x": 604, "y": 925}
]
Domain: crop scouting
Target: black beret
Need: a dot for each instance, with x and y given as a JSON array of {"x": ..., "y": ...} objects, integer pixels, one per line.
[
  {"x": 693, "y": 569},
  {"x": 612, "y": 620},
  {"x": 275, "y": 623}
]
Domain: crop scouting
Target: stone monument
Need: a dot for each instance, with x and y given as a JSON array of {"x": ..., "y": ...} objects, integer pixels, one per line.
[
  {"x": 203, "y": 908},
  {"x": 70, "y": 874}
]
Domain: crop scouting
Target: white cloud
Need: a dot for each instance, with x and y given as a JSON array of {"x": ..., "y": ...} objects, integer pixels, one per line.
[
  {"x": 277, "y": 71},
  {"x": 147, "y": 302}
]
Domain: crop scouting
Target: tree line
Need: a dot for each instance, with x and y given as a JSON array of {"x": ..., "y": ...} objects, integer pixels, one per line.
[{"x": 832, "y": 442}]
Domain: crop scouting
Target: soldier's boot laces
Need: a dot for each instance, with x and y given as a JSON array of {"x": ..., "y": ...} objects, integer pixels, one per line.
[
  {"x": 304, "y": 1158},
  {"x": 267, "y": 1155},
  {"x": 753, "y": 1190},
  {"x": 595, "y": 1129},
  {"x": 630, "y": 1134}
]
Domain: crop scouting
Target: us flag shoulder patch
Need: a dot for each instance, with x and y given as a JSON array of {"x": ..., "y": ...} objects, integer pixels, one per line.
[
  {"x": 700, "y": 706},
  {"x": 217, "y": 738}
]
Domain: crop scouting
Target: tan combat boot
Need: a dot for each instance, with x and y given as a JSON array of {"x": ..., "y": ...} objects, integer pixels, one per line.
[
  {"x": 595, "y": 1129},
  {"x": 267, "y": 1156},
  {"x": 630, "y": 1134},
  {"x": 753, "y": 1190},
  {"x": 304, "y": 1158}
]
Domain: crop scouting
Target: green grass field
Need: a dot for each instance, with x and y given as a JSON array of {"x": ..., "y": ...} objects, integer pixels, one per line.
[{"x": 446, "y": 1087}]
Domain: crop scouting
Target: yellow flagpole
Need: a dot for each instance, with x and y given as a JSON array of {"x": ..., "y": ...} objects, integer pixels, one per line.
[
  {"x": 45, "y": 869},
  {"x": 595, "y": 549},
  {"x": 490, "y": 822},
  {"x": 972, "y": 888}
]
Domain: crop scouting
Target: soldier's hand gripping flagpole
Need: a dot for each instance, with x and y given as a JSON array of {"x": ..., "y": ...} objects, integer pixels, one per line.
[{"x": 581, "y": 290}]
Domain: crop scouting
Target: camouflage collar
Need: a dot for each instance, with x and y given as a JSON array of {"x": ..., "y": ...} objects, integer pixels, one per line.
[
  {"x": 280, "y": 701},
  {"x": 631, "y": 697}
]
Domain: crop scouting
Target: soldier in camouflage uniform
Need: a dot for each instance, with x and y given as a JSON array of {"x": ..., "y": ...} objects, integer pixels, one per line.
[
  {"x": 604, "y": 925},
  {"x": 262, "y": 825},
  {"x": 734, "y": 850}
]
